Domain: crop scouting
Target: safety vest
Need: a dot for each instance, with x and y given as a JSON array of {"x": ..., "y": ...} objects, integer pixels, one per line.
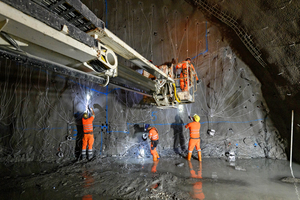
[
  {"x": 88, "y": 124},
  {"x": 153, "y": 134},
  {"x": 184, "y": 68},
  {"x": 194, "y": 129},
  {"x": 179, "y": 65},
  {"x": 183, "y": 65}
]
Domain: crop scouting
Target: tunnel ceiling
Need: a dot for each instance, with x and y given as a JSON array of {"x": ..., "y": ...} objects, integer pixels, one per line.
[{"x": 273, "y": 27}]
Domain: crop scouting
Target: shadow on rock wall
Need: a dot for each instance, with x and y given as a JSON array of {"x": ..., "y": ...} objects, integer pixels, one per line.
[
  {"x": 179, "y": 140},
  {"x": 78, "y": 143}
]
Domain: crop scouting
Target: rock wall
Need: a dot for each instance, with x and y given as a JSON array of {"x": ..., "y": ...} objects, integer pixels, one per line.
[{"x": 40, "y": 116}]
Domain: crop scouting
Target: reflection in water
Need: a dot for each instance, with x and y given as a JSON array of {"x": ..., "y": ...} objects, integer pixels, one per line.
[
  {"x": 87, "y": 197},
  {"x": 197, "y": 192},
  {"x": 153, "y": 169},
  {"x": 88, "y": 182}
]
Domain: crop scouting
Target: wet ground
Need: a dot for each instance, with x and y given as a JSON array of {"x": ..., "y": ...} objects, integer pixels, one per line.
[{"x": 132, "y": 178}]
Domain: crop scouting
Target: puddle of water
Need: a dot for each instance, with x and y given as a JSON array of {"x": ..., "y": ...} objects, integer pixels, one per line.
[{"x": 110, "y": 178}]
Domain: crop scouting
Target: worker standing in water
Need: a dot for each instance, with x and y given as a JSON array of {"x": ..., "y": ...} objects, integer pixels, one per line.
[
  {"x": 88, "y": 136},
  {"x": 153, "y": 136},
  {"x": 194, "y": 137},
  {"x": 184, "y": 73}
]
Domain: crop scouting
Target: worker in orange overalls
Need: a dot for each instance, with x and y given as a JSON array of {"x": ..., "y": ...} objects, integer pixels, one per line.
[
  {"x": 153, "y": 136},
  {"x": 194, "y": 137},
  {"x": 88, "y": 136},
  {"x": 184, "y": 73},
  {"x": 197, "y": 187}
]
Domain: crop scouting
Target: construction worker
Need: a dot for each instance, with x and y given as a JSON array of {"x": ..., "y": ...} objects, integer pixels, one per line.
[
  {"x": 153, "y": 136},
  {"x": 147, "y": 74},
  {"x": 197, "y": 187},
  {"x": 194, "y": 137},
  {"x": 184, "y": 73},
  {"x": 88, "y": 137}
]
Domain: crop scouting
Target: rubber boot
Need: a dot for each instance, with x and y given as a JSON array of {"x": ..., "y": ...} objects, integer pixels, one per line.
[
  {"x": 90, "y": 154},
  {"x": 83, "y": 154},
  {"x": 189, "y": 156},
  {"x": 199, "y": 156}
]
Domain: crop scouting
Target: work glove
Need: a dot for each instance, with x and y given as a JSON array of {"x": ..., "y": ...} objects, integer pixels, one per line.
[
  {"x": 178, "y": 75},
  {"x": 198, "y": 81}
]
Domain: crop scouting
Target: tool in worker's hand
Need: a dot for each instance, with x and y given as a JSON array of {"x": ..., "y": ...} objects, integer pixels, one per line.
[
  {"x": 90, "y": 109},
  {"x": 145, "y": 136}
]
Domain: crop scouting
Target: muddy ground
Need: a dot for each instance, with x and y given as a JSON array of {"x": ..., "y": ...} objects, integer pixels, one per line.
[{"x": 132, "y": 178}]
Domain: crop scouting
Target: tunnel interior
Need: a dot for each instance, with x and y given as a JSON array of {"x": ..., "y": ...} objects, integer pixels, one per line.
[{"x": 244, "y": 99}]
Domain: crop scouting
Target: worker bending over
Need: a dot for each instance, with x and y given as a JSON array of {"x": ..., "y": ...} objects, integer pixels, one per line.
[
  {"x": 194, "y": 137},
  {"x": 184, "y": 73},
  {"x": 88, "y": 136},
  {"x": 153, "y": 136}
]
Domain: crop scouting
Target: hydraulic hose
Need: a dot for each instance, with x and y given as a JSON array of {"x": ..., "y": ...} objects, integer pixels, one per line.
[{"x": 175, "y": 94}]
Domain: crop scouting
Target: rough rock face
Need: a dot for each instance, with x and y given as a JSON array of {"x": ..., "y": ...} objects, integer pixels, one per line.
[
  {"x": 228, "y": 101},
  {"x": 41, "y": 109},
  {"x": 271, "y": 27}
]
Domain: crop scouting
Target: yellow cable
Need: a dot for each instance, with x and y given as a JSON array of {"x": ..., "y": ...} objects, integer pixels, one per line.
[{"x": 175, "y": 93}]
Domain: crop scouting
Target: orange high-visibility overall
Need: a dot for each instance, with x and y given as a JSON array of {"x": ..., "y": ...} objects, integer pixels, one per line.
[
  {"x": 153, "y": 135},
  {"x": 194, "y": 137},
  {"x": 88, "y": 137},
  {"x": 184, "y": 74}
]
